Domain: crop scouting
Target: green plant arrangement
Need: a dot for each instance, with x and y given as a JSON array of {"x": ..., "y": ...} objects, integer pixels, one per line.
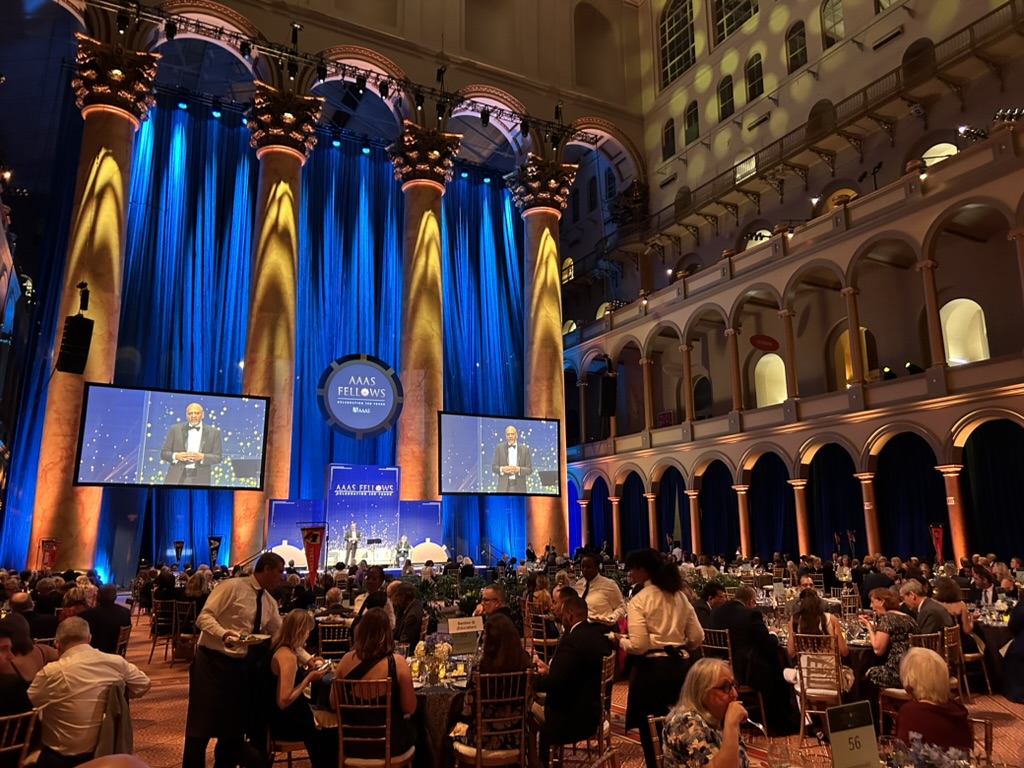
[
  {"x": 471, "y": 593},
  {"x": 698, "y": 582}
]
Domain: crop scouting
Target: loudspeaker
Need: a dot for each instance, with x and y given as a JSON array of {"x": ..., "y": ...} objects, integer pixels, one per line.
[
  {"x": 607, "y": 395},
  {"x": 74, "y": 344}
]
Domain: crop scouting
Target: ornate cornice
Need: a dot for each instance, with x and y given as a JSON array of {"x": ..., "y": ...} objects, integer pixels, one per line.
[
  {"x": 284, "y": 119},
  {"x": 541, "y": 183},
  {"x": 113, "y": 76},
  {"x": 424, "y": 154}
]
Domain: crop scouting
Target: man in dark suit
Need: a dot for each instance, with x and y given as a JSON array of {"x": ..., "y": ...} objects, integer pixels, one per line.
[
  {"x": 408, "y": 614},
  {"x": 712, "y": 596},
  {"x": 755, "y": 656},
  {"x": 873, "y": 580},
  {"x": 106, "y": 619},
  {"x": 983, "y": 589},
  {"x": 512, "y": 462},
  {"x": 40, "y": 625},
  {"x": 572, "y": 707},
  {"x": 931, "y": 616},
  {"x": 191, "y": 449}
]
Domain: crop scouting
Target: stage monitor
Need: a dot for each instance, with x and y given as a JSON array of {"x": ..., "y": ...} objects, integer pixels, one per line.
[
  {"x": 148, "y": 437},
  {"x": 477, "y": 456}
]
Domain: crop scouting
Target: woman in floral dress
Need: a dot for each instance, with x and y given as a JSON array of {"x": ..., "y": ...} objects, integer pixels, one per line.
[
  {"x": 890, "y": 637},
  {"x": 704, "y": 727}
]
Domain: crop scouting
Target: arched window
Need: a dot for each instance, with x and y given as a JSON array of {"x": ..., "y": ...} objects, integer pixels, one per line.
[
  {"x": 682, "y": 201},
  {"x": 703, "y": 397},
  {"x": 668, "y": 139},
  {"x": 755, "y": 77},
  {"x": 796, "y": 47},
  {"x": 939, "y": 152},
  {"x": 770, "y": 380},
  {"x": 832, "y": 26},
  {"x": 567, "y": 270},
  {"x": 730, "y": 15},
  {"x": 691, "y": 124},
  {"x": 831, "y": 202},
  {"x": 963, "y": 332},
  {"x": 844, "y": 362},
  {"x": 568, "y": 327},
  {"x": 676, "y": 39},
  {"x": 756, "y": 238},
  {"x": 725, "y": 100},
  {"x": 604, "y": 309}
]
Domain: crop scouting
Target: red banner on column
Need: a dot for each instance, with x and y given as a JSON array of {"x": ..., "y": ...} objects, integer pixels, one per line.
[
  {"x": 937, "y": 535},
  {"x": 50, "y": 548},
  {"x": 179, "y": 547},
  {"x": 313, "y": 542}
]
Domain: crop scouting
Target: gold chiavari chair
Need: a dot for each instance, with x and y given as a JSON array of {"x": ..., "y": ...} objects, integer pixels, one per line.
[
  {"x": 123, "y": 636},
  {"x": 656, "y": 724},
  {"x": 16, "y": 736},
  {"x": 161, "y": 626},
  {"x": 718, "y": 644},
  {"x": 333, "y": 641},
  {"x": 363, "y": 708},
  {"x": 500, "y": 707}
]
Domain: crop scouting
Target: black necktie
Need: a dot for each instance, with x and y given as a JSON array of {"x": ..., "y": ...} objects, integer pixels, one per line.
[
  {"x": 586, "y": 589},
  {"x": 257, "y": 623}
]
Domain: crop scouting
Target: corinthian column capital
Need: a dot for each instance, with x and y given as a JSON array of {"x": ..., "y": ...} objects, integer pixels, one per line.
[
  {"x": 114, "y": 77},
  {"x": 540, "y": 183},
  {"x": 424, "y": 154},
  {"x": 283, "y": 120}
]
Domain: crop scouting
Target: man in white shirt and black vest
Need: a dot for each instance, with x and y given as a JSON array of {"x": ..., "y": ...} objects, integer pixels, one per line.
[{"x": 605, "y": 604}]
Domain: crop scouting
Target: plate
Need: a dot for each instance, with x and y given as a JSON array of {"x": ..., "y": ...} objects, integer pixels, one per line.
[
  {"x": 460, "y": 683},
  {"x": 251, "y": 639},
  {"x": 416, "y": 684}
]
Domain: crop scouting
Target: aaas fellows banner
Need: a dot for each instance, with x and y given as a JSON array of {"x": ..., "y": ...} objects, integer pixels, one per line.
[{"x": 367, "y": 496}]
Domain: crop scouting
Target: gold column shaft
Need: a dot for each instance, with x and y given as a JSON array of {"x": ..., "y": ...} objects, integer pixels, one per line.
[
  {"x": 743, "y": 505},
  {"x": 695, "y": 532},
  {"x": 616, "y": 528},
  {"x": 803, "y": 518},
  {"x": 853, "y": 328},
  {"x": 652, "y": 518},
  {"x": 957, "y": 519},
  {"x": 867, "y": 491}
]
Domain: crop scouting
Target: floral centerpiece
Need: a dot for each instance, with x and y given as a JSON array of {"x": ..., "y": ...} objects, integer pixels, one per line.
[
  {"x": 917, "y": 754},
  {"x": 432, "y": 655}
]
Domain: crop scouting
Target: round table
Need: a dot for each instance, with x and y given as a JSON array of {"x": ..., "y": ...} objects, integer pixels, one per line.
[
  {"x": 995, "y": 636},
  {"x": 437, "y": 709}
]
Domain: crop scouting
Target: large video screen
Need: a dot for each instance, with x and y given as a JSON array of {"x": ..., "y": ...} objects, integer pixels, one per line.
[
  {"x": 498, "y": 455},
  {"x": 149, "y": 437}
]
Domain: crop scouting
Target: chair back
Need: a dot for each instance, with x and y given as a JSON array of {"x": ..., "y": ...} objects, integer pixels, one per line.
[
  {"x": 820, "y": 673},
  {"x": 50, "y": 641},
  {"x": 933, "y": 641},
  {"x": 850, "y": 604},
  {"x": 319, "y": 602},
  {"x": 543, "y": 646},
  {"x": 717, "y": 645},
  {"x": 816, "y": 644},
  {"x": 730, "y": 592},
  {"x": 779, "y": 574},
  {"x": 184, "y": 617},
  {"x": 162, "y": 621},
  {"x": 656, "y": 724},
  {"x": 333, "y": 640},
  {"x": 965, "y": 594},
  {"x": 985, "y": 725},
  {"x": 363, "y": 708},
  {"x": 425, "y": 626},
  {"x": 122, "y": 640},
  {"x": 951, "y": 643},
  {"x": 16, "y": 735},
  {"x": 501, "y": 707},
  {"x": 818, "y": 580},
  {"x": 836, "y": 592}
]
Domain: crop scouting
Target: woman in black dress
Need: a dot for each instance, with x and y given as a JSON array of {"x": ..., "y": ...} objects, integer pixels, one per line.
[{"x": 291, "y": 718}]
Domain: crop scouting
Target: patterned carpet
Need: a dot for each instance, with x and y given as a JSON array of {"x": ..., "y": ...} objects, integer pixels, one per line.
[{"x": 159, "y": 717}]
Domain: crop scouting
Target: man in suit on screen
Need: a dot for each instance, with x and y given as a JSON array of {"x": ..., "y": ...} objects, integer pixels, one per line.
[
  {"x": 512, "y": 462},
  {"x": 191, "y": 449}
]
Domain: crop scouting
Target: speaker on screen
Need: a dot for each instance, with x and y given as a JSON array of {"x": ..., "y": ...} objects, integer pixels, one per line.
[
  {"x": 74, "y": 344},
  {"x": 608, "y": 392}
]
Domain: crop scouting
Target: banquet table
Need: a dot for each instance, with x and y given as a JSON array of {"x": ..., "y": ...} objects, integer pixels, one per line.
[
  {"x": 995, "y": 636},
  {"x": 437, "y": 708}
]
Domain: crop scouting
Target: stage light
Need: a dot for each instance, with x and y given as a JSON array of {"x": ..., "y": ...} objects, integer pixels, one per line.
[
  {"x": 485, "y": 117},
  {"x": 170, "y": 29},
  {"x": 383, "y": 88},
  {"x": 440, "y": 73},
  {"x": 418, "y": 97},
  {"x": 6, "y": 174},
  {"x": 122, "y": 22},
  {"x": 215, "y": 108},
  {"x": 524, "y": 127},
  {"x": 815, "y": 200},
  {"x": 366, "y": 148},
  {"x": 487, "y": 179},
  {"x": 442, "y": 108},
  {"x": 670, "y": 272},
  {"x": 321, "y": 72},
  {"x": 913, "y": 368},
  {"x": 464, "y": 174},
  {"x": 335, "y": 141},
  {"x": 888, "y": 374},
  {"x": 295, "y": 34},
  {"x": 245, "y": 121},
  {"x": 558, "y": 112},
  {"x": 182, "y": 105},
  {"x": 361, "y": 84},
  {"x": 3, "y": 78},
  {"x": 245, "y": 48},
  {"x": 293, "y": 69}
]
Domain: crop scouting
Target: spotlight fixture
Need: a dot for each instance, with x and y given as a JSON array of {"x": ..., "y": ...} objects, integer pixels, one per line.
[
  {"x": 670, "y": 272},
  {"x": 215, "y": 109},
  {"x": 487, "y": 179},
  {"x": 6, "y": 174},
  {"x": 3, "y": 78},
  {"x": 971, "y": 133},
  {"x": 183, "y": 105},
  {"x": 556, "y": 139},
  {"x": 122, "y": 22},
  {"x": 524, "y": 126},
  {"x": 442, "y": 108},
  {"x": 440, "y": 73},
  {"x": 335, "y": 140},
  {"x": 558, "y": 112},
  {"x": 361, "y": 84},
  {"x": 293, "y": 69},
  {"x": 418, "y": 97},
  {"x": 485, "y": 117},
  {"x": 1010, "y": 115},
  {"x": 245, "y": 48},
  {"x": 296, "y": 28},
  {"x": 913, "y": 368},
  {"x": 815, "y": 200},
  {"x": 366, "y": 148},
  {"x": 464, "y": 174},
  {"x": 888, "y": 374},
  {"x": 383, "y": 88},
  {"x": 321, "y": 71},
  {"x": 170, "y": 29}
]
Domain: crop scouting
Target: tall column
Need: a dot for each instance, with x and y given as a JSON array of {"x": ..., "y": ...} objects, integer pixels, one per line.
[
  {"x": 584, "y": 523},
  {"x": 695, "y": 532},
  {"x": 645, "y": 366},
  {"x": 867, "y": 492},
  {"x": 423, "y": 160},
  {"x": 957, "y": 520},
  {"x": 792, "y": 391},
  {"x": 746, "y": 535},
  {"x": 803, "y": 517},
  {"x": 733, "y": 335},
  {"x": 936, "y": 349},
  {"x": 616, "y": 528},
  {"x": 113, "y": 89},
  {"x": 687, "y": 381},
  {"x": 541, "y": 191},
  {"x": 652, "y": 520},
  {"x": 283, "y": 128},
  {"x": 581, "y": 387},
  {"x": 1017, "y": 235},
  {"x": 853, "y": 326}
]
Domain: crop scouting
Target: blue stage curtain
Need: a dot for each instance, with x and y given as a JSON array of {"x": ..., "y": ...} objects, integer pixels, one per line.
[
  {"x": 720, "y": 515},
  {"x": 636, "y": 529},
  {"x": 575, "y": 528},
  {"x": 772, "y": 508},
  {"x": 600, "y": 511},
  {"x": 993, "y": 465},
  {"x": 483, "y": 344},
  {"x": 674, "y": 505},
  {"x": 834, "y": 501},
  {"x": 350, "y": 297},
  {"x": 910, "y": 495},
  {"x": 39, "y": 360}
]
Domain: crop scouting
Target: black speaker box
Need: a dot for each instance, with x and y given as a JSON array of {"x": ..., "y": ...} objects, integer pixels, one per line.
[
  {"x": 74, "y": 344},
  {"x": 608, "y": 395}
]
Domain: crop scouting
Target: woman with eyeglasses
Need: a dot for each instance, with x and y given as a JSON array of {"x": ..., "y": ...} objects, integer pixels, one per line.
[{"x": 704, "y": 727}]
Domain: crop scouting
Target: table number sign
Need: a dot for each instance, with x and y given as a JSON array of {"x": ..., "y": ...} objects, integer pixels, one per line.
[
  {"x": 852, "y": 734},
  {"x": 465, "y": 632}
]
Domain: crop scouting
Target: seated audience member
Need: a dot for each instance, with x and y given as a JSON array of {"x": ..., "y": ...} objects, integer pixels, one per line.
[
  {"x": 492, "y": 603},
  {"x": 502, "y": 652},
  {"x": 1004, "y": 580},
  {"x": 810, "y": 617},
  {"x": 467, "y": 571},
  {"x": 374, "y": 596},
  {"x": 427, "y": 572},
  {"x": 291, "y": 718},
  {"x": 40, "y": 625},
  {"x": 1013, "y": 660},
  {"x": 333, "y": 603},
  {"x": 890, "y": 637},
  {"x": 75, "y": 602},
  {"x": 75, "y": 691},
  {"x": 165, "y": 586},
  {"x": 107, "y": 618},
  {"x": 20, "y": 664},
  {"x": 572, "y": 707},
  {"x": 875, "y": 579},
  {"x": 197, "y": 589},
  {"x": 46, "y": 597},
  {"x": 90, "y": 589},
  {"x": 931, "y": 716},
  {"x": 756, "y": 660},
  {"x": 408, "y": 613},
  {"x": 373, "y": 658},
  {"x": 947, "y": 593},
  {"x": 983, "y": 590},
  {"x": 704, "y": 727},
  {"x": 542, "y": 603},
  {"x": 931, "y": 616},
  {"x": 712, "y": 596}
]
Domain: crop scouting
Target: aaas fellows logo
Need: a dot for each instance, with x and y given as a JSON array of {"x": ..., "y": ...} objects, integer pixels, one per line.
[{"x": 360, "y": 395}]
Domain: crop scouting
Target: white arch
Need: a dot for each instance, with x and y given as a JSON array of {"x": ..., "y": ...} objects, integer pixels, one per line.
[
  {"x": 770, "y": 380},
  {"x": 964, "y": 334}
]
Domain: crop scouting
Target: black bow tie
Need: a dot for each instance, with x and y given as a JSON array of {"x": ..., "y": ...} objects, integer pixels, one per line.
[
  {"x": 512, "y": 446},
  {"x": 197, "y": 427}
]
